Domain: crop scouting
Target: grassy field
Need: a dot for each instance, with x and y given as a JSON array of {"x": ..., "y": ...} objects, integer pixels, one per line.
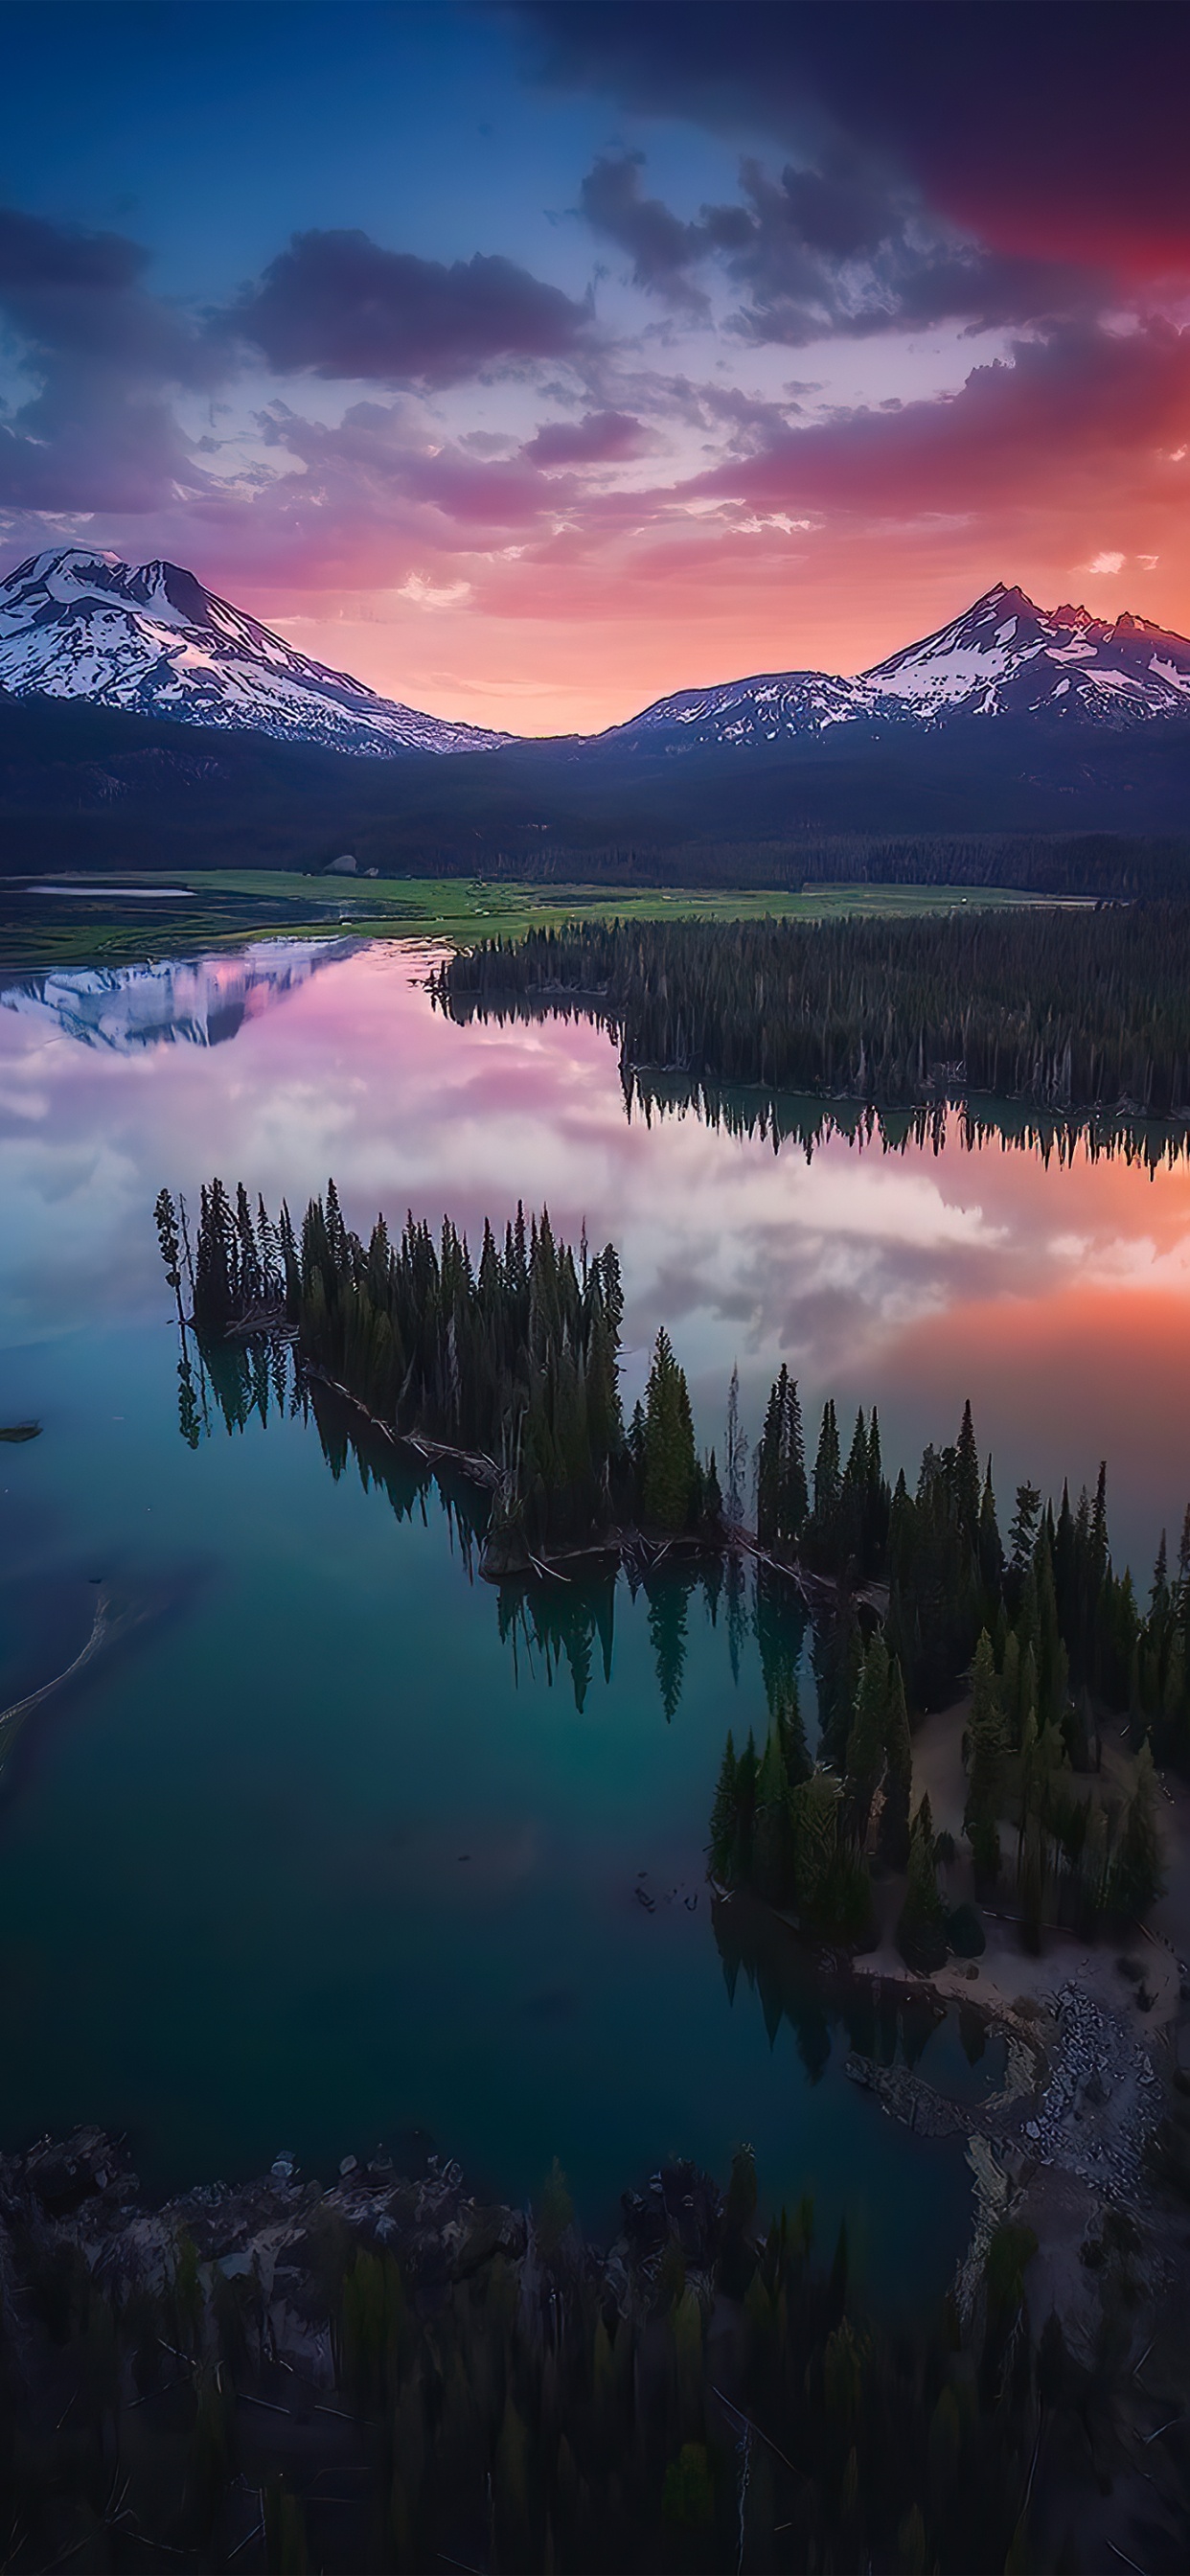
[{"x": 177, "y": 913}]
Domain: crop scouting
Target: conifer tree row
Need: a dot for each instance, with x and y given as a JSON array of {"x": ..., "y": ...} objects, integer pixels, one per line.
[{"x": 1062, "y": 1009}]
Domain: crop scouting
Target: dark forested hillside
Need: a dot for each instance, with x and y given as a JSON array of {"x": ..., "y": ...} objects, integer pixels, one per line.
[
  {"x": 1064, "y": 1009},
  {"x": 1069, "y": 810}
]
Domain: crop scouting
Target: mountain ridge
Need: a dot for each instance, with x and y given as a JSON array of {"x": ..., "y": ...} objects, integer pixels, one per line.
[
  {"x": 79, "y": 624},
  {"x": 1003, "y": 656}
]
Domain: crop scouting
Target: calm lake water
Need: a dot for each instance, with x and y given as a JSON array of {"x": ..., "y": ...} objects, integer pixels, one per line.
[{"x": 330, "y": 1847}]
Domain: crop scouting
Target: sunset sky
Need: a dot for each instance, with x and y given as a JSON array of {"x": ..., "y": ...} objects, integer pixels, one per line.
[{"x": 532, "y": 360}]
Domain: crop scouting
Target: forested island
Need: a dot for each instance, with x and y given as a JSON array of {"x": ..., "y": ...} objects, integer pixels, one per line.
[
  {"x": 507, "y": 1370},
  {"x": 508, "y": 1365},
  {"x": 1064, "y": 1010}
]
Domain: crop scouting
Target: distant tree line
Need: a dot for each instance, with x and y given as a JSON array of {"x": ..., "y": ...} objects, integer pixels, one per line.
[{"x": 1059, "y": 1009}]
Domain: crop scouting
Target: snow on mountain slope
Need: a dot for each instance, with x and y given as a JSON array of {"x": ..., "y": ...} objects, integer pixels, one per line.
[
  {"x": 82, "y": 625},
  {"x": 760, "y": 710},
  {"x": 74, "y": 624},
  {"x": 1007, "y": 657},
  {"x": 1004, "y": 656}
]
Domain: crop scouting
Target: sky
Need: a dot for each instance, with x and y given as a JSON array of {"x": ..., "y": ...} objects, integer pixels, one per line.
[{"x": 533, "y": 358}]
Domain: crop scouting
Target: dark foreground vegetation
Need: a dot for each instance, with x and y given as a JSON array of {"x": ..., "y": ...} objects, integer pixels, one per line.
[
  {"x": 384, "y": 2375},
  {"x": 1062, "y": 1010}
]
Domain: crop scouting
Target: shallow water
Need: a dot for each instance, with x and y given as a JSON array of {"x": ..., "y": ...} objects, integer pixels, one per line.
[{"x": 235, "y": 1915}]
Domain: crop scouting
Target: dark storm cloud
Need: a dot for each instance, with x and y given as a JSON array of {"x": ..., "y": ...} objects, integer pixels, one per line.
[
  {"x": 832, "y": 249},
  {"x": 1056, "y": 130},
  {"x": 104, "y": 356},
  {"x": 338, "y": 304}
]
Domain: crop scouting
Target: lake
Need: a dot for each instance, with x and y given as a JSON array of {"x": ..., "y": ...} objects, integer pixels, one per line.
[{"x": 336, "y": 1844}]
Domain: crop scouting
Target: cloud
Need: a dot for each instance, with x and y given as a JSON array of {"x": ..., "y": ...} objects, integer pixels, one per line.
[
  {"x": 831, "y": 249},
  {"x": 1072, "y": 417},
  {"x": 662, "y": 248},
  {"x": 599, "y": 438},
  {"x": 1054, "y": 132},
  {"x": 428, "y": 594},
  {"x": 338, "y": 304},
  {"x": 105, "y": 357}
]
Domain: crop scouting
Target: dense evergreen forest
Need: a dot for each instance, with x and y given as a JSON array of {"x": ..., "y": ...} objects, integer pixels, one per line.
[
  {"x": 515, "y": 2400},
  {"x": 1061, "y": 1009}
]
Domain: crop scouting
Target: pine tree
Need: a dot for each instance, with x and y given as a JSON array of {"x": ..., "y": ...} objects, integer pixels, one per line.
[
  {"x": 1136, "y": 1878},
  {"x": 813, "y": 1814},
  {"x": 1024, "y": 1526},
  {"x": 826, "y": 1469},
  {"x": 768, "y": 1470},
  {"x": 735, "y": 1452},
  {"x": 772, "y": 1833},
  {"x": 670, "y": 1458},
  {"x": 920, "y": 1936},
  {"x": 967, "y": 1484},
  {"x": 991, "y": 1552}
]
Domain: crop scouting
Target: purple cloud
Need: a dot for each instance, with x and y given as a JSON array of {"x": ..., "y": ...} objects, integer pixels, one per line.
[
  {"x": 340, "y": 305},
  {"x": 599, "y": 438}
]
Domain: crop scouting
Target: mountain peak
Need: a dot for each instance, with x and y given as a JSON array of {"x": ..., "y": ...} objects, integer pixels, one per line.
[
  {"x": 77, "y": 622},
  {"x": 1002, "y": 656}
]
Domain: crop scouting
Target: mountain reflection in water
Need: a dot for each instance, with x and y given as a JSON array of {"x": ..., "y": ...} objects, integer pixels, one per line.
[{"x": 191, "y": 1001}]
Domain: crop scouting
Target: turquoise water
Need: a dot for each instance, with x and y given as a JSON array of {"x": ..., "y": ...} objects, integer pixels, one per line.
[{"x": 328, "y": 1848}]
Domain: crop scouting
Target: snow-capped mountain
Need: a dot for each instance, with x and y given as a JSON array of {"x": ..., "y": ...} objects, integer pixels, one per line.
[
  {"x": 1004, "y": 656},
  {"x": 190, "y": 1001},
  {"x": 84, "y": 626},
  {"x": 753, "y": 711},
  {"x": 151, "y": 639}
]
